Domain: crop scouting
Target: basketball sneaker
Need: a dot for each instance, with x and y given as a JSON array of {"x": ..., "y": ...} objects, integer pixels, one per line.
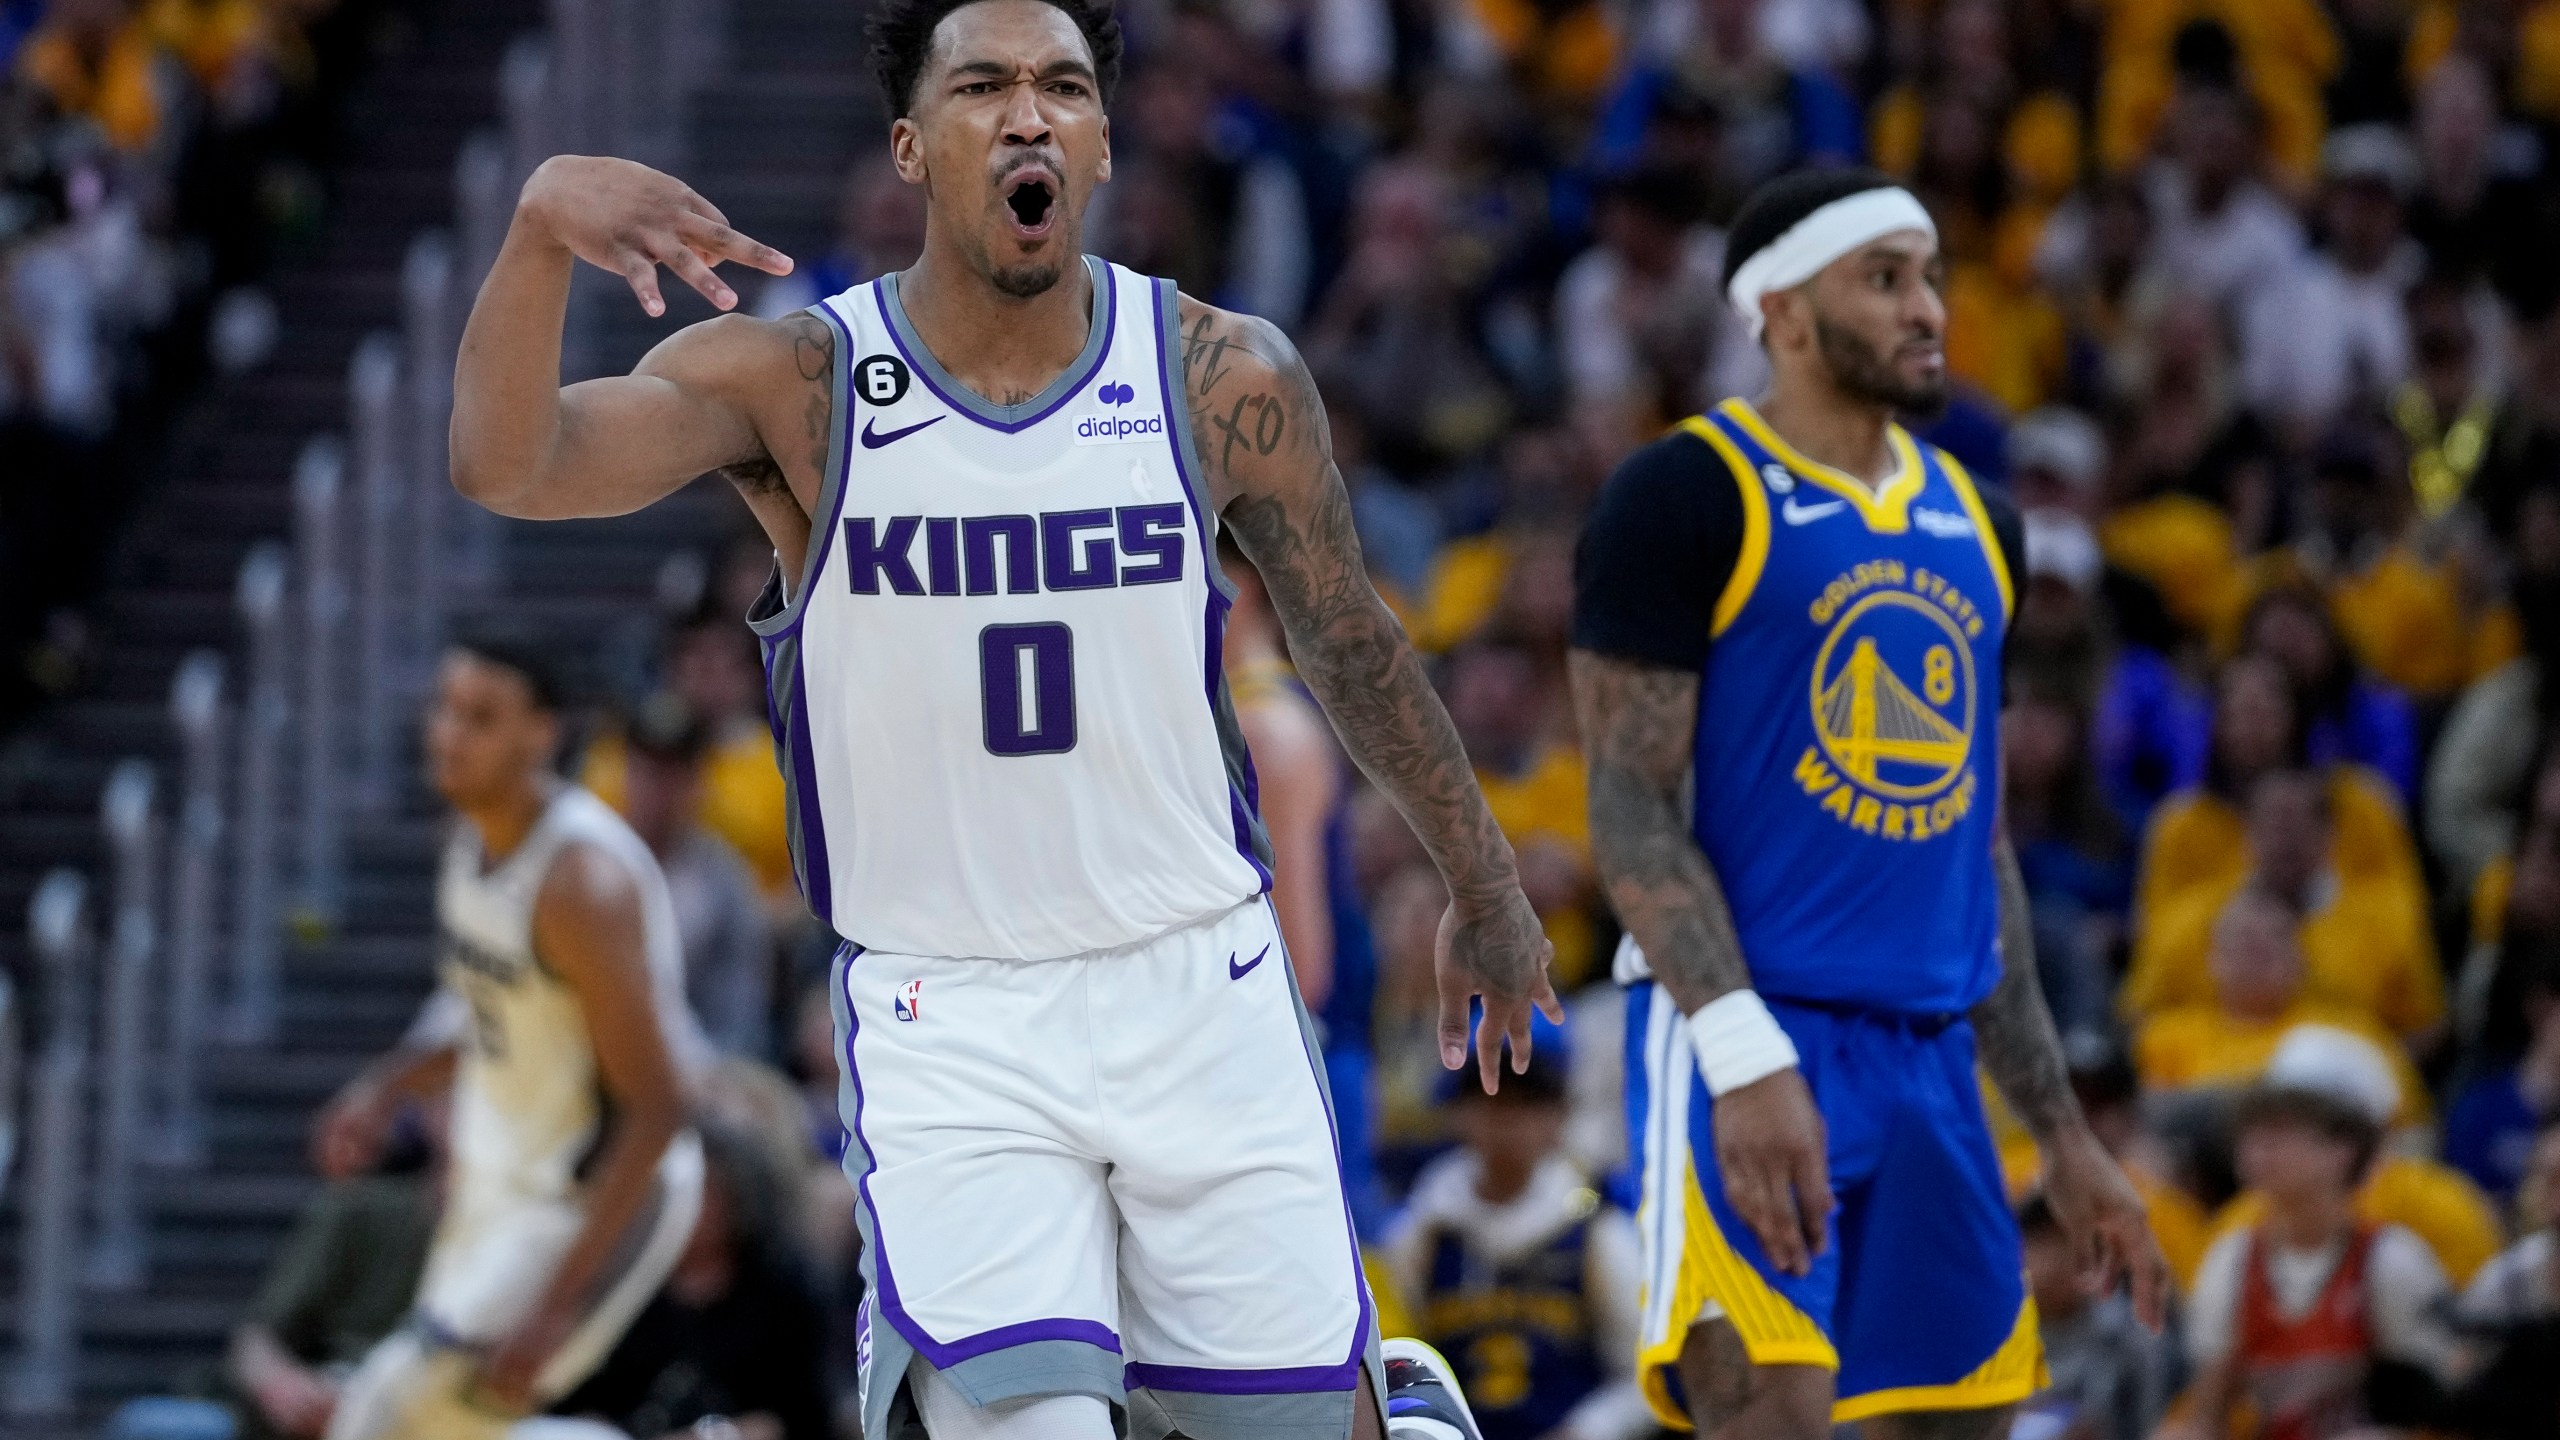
[{"x": 1423, "y": 1398}]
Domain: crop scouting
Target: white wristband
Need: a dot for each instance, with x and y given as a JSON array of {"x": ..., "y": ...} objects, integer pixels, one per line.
[{"x": 1738, "y": 1041}]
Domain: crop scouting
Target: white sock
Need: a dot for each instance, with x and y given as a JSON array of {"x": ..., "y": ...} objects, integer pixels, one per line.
[{"x": 948, "y": 1415}]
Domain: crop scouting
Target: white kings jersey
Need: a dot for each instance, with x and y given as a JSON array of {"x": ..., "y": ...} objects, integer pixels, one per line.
[
  {"x": 996, "y": 687},
  {"x": 528, "y": 1100}
]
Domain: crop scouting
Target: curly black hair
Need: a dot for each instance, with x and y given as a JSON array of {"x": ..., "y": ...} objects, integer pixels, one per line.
[{"x": 901, "y": 34}]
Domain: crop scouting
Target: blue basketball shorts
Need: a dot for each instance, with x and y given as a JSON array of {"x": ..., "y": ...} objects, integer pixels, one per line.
[{"x": 1918, "y": 1301}]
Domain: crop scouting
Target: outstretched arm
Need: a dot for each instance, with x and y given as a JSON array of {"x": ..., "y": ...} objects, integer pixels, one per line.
[
  {"x": 1639, "y": 722},
  {"x": 1269, "y": 456},
  {"x": 2014, "y": 1030},
  {"x": 719, "y": 394}
]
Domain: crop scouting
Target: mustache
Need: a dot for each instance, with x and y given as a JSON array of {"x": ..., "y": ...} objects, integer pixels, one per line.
[{"x": 1040, "y": 160}]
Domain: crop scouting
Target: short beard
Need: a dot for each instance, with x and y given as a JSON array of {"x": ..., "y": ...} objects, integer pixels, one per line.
[
  {"x": 1862, "y": 374},
  {"x": 1022, "y": 282}
]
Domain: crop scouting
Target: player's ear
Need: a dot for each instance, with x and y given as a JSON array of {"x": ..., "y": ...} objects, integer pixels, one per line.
[
  {"x": 1784, "y": 320},
  {"x": 906, "y": 150},
  {"x": 1102, "y": 172}
]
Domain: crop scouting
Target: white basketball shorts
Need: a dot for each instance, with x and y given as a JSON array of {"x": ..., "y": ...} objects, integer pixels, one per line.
[
  {"x": 491, "y": 1259},
  {"x": 1110, "y": 1175}
]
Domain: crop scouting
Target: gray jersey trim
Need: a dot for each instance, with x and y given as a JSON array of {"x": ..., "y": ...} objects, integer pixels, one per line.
[
  {"x": 1097, "y": 340},
  {"x": 1323, "y": 1415},
  {"x": 1186, "y": 445},
  {"x": 883, "y": 1353},
  {"x": 1244, "y": 800},
  {"x": 780, "y": 608},
  {"x": 1243, "y": 792},
  {"x": 787, "y": 711},
  {"x": 1041, "y": 1367}
]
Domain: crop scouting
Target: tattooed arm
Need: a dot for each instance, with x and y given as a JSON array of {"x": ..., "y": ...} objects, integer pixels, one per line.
[
  {"x": 2013, "y": 1029},
  {"x": 1263, "y": 440},
  {"x": 732, "y": 393},
  {"x": 1639, "y": 722}
]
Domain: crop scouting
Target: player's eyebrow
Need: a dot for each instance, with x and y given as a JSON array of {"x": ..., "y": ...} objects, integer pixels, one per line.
[{"x": 1000, "y": 70}]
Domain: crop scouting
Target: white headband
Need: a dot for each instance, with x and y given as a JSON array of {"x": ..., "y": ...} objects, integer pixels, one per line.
[{"x": 1820, "y": 238}]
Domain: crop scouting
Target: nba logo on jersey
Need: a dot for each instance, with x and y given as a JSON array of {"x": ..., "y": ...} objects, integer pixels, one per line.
[{"x": 909, "y": 999}]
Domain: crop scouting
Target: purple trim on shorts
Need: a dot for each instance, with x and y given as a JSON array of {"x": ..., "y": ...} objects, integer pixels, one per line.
[
  {"x": 1005, "y": 1337},
  {"x": 1297, "y": 1379},
  {"x": 1195, "y": 1380},
  {"x": 442, "y": 1336},
  {"x": 1110, "y": 292},
  {"x": 968, "y": 1347}
]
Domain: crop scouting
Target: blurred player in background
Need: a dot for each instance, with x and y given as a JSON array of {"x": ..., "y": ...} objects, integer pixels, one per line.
[
  {"x": 1788, "y": 643},
  {"x": 1090, "y": 1173},
  {"x": 573, "y": 1181},
  {"x": 1515, "y": 1267}
]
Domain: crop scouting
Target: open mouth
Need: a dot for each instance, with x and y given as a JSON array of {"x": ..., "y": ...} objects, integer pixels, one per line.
[{"x": 1033, "y": 204}]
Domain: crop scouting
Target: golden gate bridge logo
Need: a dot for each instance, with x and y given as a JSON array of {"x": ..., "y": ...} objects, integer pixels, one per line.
[{"x": 1882, "y": 733}]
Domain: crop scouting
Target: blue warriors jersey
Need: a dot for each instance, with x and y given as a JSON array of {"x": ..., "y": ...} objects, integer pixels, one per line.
[
  {"x": 1847, "y": 756},
  {"x": 1520, "y": 1331}
]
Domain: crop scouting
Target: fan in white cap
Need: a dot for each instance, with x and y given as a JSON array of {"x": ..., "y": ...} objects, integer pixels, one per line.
[{"x": 2340, "y": 1064}]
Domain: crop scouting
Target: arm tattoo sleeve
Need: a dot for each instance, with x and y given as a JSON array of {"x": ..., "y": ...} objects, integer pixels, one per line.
[
  {"x": 2014, "y": 1028},
  {"x": 1262, "y": 437},
  {"x": 1637, "y": 721}
]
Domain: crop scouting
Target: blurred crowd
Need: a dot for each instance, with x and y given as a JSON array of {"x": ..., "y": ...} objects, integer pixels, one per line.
[
  {"x": 2254, "y": 314},
  {"x": 154, "y": 155}
]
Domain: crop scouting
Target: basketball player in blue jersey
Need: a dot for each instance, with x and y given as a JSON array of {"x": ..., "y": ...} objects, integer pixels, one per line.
[
  {"x": 1088, "y": 1126},
  {"x": 1787, "y": 649}
]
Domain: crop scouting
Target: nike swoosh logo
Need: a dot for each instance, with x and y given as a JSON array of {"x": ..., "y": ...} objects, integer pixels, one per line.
[
  {"x": 1236, "y": 971},
  {"x": 872, "y": 440},
  {"x": 1796, "y": 514}
]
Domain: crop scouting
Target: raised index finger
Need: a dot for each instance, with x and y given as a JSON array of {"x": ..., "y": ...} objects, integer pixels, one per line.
[{"x": 716, "y": 240}]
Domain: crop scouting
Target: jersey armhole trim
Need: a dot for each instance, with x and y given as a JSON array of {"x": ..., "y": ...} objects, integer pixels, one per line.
[
  {"x": 1177, "y": 414},
  {"x": 831, "y": 485},
  {"x": 1962, "y": 484},
  {"x": 1753, "y": 557}
]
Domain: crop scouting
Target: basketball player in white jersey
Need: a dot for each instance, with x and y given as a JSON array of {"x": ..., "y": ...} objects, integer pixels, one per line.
[
  {"x": 1090, "y": 1140},
  {"x": 572, "y": 1182}
]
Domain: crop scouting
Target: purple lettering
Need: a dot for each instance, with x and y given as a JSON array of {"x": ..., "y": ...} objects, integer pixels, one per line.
[
  {"x": 867, "y": 556},
  {"x": 1155, "y": 532}
]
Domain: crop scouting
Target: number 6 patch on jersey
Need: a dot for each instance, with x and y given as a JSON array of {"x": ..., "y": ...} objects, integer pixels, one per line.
[{"x": 882, "y": 379}]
